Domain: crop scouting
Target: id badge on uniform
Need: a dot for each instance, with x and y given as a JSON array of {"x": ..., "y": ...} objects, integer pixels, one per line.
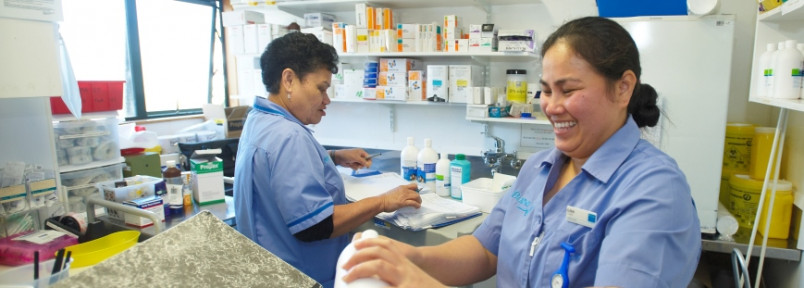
[{"x": 581, "y": 216}]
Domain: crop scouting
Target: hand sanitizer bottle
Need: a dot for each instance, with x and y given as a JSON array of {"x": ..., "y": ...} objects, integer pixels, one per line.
[{"x": 346, "y": 254}]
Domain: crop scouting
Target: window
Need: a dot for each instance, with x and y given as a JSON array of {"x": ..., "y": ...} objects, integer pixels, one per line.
[{"x": 169, "y": 52}]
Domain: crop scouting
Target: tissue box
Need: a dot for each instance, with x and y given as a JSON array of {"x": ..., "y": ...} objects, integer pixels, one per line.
[
  {"x": 484, "y": 193},
  {"x": 207, "y": 170},
  {"x": 150, "y": 203}
]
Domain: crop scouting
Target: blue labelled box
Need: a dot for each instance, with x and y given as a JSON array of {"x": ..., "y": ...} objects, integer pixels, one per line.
[{"x": 632, "y": 8}]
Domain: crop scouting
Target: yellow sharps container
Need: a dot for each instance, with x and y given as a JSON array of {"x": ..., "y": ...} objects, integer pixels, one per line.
[
  {"x": 761, "y": 146},
  {"x": 782, "y": 210},
  {"x": 744, "y": 196},
  {"x": 737, "y": 148}
]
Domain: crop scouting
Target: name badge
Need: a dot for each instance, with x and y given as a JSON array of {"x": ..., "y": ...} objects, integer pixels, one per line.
[{"x": 581, "y": 217}]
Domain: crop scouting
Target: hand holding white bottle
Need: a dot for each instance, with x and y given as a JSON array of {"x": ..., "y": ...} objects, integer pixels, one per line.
[{"x": 346, "y": 254}]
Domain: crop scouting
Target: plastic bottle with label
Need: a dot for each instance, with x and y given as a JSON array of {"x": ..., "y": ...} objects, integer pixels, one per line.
[
  {"x": 765, "y": 70},
  {"x": 175, "y": 188},
  {"x": 787, "y": 82},
  {"x": 426, "y": 165},
  {"x": 442, "y": 176},
  {"x": 408, "y": 160},
  {"x": 346, "y": 254},
  {"x": 460, "y": 171}
]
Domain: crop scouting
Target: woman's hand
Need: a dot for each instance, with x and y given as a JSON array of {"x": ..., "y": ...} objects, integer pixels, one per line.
[
  {"x": 351, "y": 158},
  {"x": 402, "y": 196},
  {"x": 388, "y": 260}
]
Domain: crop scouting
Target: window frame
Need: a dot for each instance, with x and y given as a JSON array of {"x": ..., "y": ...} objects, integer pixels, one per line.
[{"x": 134, "y": 73}]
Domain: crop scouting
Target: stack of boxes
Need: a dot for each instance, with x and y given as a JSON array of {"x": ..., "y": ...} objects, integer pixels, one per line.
[
  {"x": 247, "y": 36},
  {"x": 481, "y": 37},
  {"x": 393, "y": 78},
  {"x": 453, "y": 34},
  {"x": 320, "y": 25}
]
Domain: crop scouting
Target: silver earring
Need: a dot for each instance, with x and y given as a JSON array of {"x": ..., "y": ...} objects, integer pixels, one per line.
[{"x": 288, "y": 95}]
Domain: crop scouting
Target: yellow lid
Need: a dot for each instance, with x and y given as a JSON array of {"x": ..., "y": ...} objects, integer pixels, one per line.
[
  {"x": 739, "y": 129},
  {"x": 764, "y": 130},
  {"x": 746, "y": 183}
]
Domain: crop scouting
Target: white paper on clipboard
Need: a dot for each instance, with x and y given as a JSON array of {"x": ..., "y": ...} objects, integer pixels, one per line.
[{"x": 434, "y": 211}]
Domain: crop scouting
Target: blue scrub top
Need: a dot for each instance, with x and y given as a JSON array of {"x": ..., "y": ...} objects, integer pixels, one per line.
[
  {"x": 645, "y": 234},
  {"x": 284, "y": 183}
]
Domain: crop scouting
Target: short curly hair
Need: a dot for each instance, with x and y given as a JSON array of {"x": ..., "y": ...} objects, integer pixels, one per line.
[{"x": 301, "y": 52}]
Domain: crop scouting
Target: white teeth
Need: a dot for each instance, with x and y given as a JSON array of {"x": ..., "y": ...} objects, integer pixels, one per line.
[{"x": 561, "y": 125}]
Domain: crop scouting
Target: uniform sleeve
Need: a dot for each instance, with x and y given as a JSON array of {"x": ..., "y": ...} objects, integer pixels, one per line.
[
  {"x": 660, "y": 213},
  {"x": 298, "y": 183}
]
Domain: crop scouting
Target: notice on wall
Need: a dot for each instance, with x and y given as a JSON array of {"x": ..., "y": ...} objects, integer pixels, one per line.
[
  {"x": 539, "y": 137},
  {"x": 40, "y": 10}
]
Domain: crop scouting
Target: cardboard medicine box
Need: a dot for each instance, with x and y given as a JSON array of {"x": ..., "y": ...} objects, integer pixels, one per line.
[
  {"x": 207, "y": 170},
  {"x": 130, "y": 188},
  {"x": 148, "y": 203}
]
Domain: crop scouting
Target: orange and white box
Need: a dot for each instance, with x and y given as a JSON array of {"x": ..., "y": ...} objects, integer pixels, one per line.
[
  {"x": 339, "y": 36},
  {"x": 450, "y": 21},
  {"x": 406, "y": 45},
  {"x": 363, "y": 40},
  {"x": 399, "y": 65},
  {"x": 395, "y": 92},
  {"x": 361, "y": 15},
  {"x": 416, "y": 85},
  {"x": 406, "y": 31},
  {"x": 392, "y": 78}
]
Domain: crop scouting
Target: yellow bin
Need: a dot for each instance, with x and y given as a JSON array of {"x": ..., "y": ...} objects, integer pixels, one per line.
[
  {"x": 761, "y": 146},
  {"x": 737, "y": 148},
  {"x": 95, "y": 251},
  {"x": 782, "y": 210}
]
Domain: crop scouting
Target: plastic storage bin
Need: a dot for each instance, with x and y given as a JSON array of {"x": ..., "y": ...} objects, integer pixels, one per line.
[
  {"x": 484, "y": 193},
  {"x": 18, "y": 252},
  {"x": 87, "y": 142},
  {"x": 136, "y": 187},
  {"x": 96, "y": 96},
  {"x": 22, "y": 276},
  {"x": 81, "y": 184}
]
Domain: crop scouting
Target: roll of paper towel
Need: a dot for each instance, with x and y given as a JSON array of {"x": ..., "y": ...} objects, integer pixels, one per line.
[{"x": 726, "y": 223}]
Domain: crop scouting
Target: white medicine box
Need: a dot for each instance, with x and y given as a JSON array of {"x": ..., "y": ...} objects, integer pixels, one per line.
[
  {"x": 151, "y": 203},
  {"x": 129, "y": 189},
  {"x": 207, "y": 171},
  {"x": 461, "y": 80}
]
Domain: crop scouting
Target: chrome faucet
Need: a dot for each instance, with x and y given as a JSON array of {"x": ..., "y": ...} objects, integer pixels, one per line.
[{"x": 496, "y": 157}]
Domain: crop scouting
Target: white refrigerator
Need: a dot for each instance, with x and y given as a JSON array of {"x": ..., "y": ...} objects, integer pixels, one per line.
[{"x": 688, "y": 60}]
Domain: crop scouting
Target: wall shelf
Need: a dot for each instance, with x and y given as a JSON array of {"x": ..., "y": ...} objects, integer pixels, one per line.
[
  {"x": 511, "y": 120},
  {"x": 480, "y": 56},
  {"x": 792, "y": 104},
  {"x": 391, "y": 102},
  {"x": 301, "y": 7}
]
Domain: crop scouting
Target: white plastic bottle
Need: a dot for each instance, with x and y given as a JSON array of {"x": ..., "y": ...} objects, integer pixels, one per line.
[
  {"x": 407, "y": 161},
  {"x": 346, "y": 254},
  {"x": 764, "y": 70},
  {"x": 442, "y": 176},
  {"x": 426, "y": 165},
  {"x": 773, "y": 70},
  {"x": 787, "y": 84}
]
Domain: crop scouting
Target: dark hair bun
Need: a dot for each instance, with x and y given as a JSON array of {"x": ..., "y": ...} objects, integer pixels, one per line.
[{"x": 643, "y": 106}]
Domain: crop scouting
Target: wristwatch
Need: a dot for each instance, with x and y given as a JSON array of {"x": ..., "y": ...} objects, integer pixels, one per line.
[{"x": 561, "y": 276}]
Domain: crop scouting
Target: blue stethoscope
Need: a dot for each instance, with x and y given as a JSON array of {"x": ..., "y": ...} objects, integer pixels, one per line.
[{"x": 561, "y": 276}]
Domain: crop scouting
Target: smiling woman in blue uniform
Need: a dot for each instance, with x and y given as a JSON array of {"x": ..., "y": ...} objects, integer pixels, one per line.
[
  {"x": 603, "y": 208},
  {"x": 289, "y": 196}
]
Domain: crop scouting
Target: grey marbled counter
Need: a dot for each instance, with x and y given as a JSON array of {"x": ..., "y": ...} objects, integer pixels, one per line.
[{"x": 202, "y": 251}]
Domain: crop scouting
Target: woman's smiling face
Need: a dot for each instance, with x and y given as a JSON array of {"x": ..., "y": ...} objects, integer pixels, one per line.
[{"x": 579, "y": 102}]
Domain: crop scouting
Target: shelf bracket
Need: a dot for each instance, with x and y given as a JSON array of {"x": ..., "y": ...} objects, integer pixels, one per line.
[{"x": 392, "y": 118}]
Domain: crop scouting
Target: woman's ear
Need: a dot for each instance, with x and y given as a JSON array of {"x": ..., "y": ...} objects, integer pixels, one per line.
[
  {"x": 288, "y": 76},
  {"x": 626, "y": 86}
]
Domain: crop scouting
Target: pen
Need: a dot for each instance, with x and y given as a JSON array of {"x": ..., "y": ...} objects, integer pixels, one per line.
[
  {"x": 373, "y": 155},
  {"x": 36, "y": 265}
]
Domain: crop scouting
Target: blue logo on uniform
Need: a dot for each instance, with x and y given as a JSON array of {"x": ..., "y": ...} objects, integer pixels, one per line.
[
  {"x": 591, "y": 218},
  {"x": 522, "y": 203}
]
